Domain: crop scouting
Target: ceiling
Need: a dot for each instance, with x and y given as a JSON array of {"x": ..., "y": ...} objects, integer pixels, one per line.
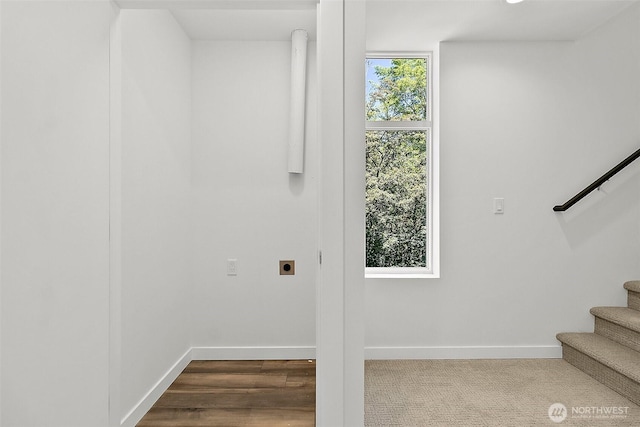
[
  {"x": 484, "y": 20},
  {"x": 408, "y": 21},
  {"x": 245, "y": 24}
]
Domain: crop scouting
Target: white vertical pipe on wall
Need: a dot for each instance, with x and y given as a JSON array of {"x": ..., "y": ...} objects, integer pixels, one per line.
[{"x": 297, "y": 103}]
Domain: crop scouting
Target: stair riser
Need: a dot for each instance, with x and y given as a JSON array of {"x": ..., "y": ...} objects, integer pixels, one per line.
[
  {"x": 607, "y": 376},
  {"x": 617, "y": 333},
  {"x": 633, "y": 300}
]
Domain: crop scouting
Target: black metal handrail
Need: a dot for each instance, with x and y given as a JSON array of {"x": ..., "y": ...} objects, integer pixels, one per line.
[{"x": 598, "y": 182}]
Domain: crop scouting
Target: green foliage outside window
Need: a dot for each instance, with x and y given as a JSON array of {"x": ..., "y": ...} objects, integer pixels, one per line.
[
  {"x": 399, "y": 90},
  {"x": 396, "y": 196}
]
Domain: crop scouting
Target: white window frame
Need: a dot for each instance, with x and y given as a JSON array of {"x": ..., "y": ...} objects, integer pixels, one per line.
[{"x": 432, "y": 269}]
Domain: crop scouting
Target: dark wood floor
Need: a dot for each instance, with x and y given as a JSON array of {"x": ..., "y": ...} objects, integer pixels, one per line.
[{"x": 238, "y": 393}]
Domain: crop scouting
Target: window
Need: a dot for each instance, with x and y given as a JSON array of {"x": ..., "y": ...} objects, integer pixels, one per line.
[{"x": 399, "y": 181}]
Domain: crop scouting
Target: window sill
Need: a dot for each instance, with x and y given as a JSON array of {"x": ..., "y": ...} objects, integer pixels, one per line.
[{"x": 400, "y": 273}]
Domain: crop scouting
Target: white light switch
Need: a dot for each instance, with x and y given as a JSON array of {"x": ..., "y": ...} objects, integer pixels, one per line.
[
  {"x": 498, "y": 205},
  {"x": 232, "y": 267}
]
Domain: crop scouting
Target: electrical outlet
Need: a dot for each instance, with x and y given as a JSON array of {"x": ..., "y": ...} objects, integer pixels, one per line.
[
  {"x": 287, "y": 267},
  {"x": 232, "y": 267}
]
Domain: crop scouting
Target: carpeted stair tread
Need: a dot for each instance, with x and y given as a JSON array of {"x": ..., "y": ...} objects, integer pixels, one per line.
[
  {"x": 622, "y": 316},
  {"x": 633, "y": 286},
  {"x": 633, "y": 294},
  {"x": 616, "y": 356}
]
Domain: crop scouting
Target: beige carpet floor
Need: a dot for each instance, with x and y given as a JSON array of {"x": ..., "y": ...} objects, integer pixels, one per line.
[{"x": 489, "y": 393}]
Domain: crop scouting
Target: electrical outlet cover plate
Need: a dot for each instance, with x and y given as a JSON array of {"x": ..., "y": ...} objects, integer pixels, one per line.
[
  {"x": 232, "y": 267},
  {"x": 287, "y": 267}
]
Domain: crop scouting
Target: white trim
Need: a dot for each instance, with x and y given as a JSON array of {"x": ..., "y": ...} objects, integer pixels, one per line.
[
  {"x": 301, "y": 352},
  {"x": 399, "y": 273},
  {"x": 464, "y": 352},
  {"x": 1, "y": 215},
  {"x": 389, "y": 275},
  {"x": 211, "y": 353},
  {"x": 142, "y": 407},
  {"x": 253, "y": 353},
  {"x": 331, "y": 326},
  {"x": 354, "y": 48},
  {"x": 398, "y": 125},
  {"x": 384, "y": 54},
  {"x": 115, "y": 215},
  {"x": 434, "y": 170},
  {"x": 219, "y": 4}
]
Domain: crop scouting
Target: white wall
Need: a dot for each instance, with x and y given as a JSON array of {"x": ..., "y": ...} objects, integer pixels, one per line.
[
  {"x": 610, "y": 61},
  {"x": 513, "y": 116},
  {"x": 533, "y": 123},
  {"x": 55, "y": 206},
  {"x": 55, "y": 202},
  {"x": 247, "y": 207},
  {"x": 155, "y": 196}
]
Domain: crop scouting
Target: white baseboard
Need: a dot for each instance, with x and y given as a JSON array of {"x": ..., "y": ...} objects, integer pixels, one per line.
[
  {"x": 292, "y": 353},
  {"x": 143, "y": 406},
  {"x": 464, "y": 352},
  {"x": 252, "y": 353},
  {"x": 211, "y": 353}
]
